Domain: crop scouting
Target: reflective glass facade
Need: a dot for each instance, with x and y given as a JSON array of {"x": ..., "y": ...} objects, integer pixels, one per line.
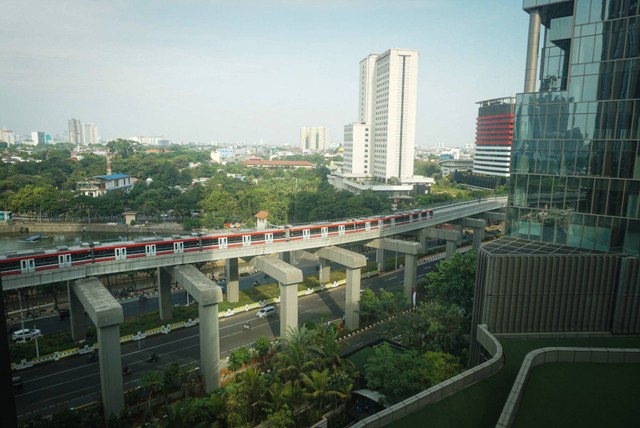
[{"x": 575, "y": 166}]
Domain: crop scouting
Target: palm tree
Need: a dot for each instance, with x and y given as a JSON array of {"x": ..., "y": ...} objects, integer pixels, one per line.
[
  {"x": 318, "y": 389},
  {"x": 298, "y": 354},
  {"x": 182, "y": 414},
  {"x": 251, "y": 392}
]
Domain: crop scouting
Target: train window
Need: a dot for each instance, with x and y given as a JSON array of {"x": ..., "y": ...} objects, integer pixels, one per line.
[
  {"x": 208, "y": 242},
  {"x": 79, "y": 256},
  {"x": 9, "y": 265},
  {"x": 222, "y": 242}
]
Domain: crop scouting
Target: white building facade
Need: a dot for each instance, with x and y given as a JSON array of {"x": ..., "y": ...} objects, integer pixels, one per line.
[
  {"x": 387, "y": 104},
  {"x": 314, "y": 138},
  {"x": 90, "y": 134},
  {"x": 357, "y": 153},
  {"x": 76, "y": 132}
]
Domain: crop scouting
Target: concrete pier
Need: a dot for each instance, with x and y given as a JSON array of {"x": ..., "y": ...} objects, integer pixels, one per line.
[
  {"x": 233, "y": 280},
  {"x": 208, "y": 294},
  {"x": 354, "y": 263},
  {"x": 106, "y": 313},
  {"x": 164, "y": 296},
  {"x": 288, "y": 278},
  {"x": 410, "y": 251}
]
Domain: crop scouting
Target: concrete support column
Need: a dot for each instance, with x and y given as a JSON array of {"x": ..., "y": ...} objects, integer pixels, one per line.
[
  {"x": 107, "y": 315},
  {"x": 208, "y": 294},
  {"x": 352, "y": 302},
  {"x": 110, "y": 361},
  {"x": 478, "y": 235},
  {"x": 423, "y": 239},
  {"x": 209, "y": 346},
  {"x": 410, "y": 274},
  {"x": 533, "y": 45},
  {"x": 285, "y": 256},
  {"x": 324, "y": 275},
  {"x": 233, "y": 281},
  {"x": 288, "y": 308},
  {"x": 380, "y": 259},
  {"x": 164, "y": 295},
  {"x": 451, "y": 248},
  {"x": 76, "y": 312}
]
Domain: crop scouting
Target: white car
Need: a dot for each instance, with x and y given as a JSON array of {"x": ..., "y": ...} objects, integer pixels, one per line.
[
  {"x": 26, "y": 333},
  {"x": 267, "y": 311}
]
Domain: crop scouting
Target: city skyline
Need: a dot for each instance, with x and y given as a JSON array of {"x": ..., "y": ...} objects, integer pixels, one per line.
[{"x": 203, "y": 71}]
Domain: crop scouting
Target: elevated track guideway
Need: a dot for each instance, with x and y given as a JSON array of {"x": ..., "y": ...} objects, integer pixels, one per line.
[{"x": 29, "y": 268}]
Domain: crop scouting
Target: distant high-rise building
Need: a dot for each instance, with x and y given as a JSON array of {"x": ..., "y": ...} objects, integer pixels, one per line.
[
  {"x": 38, "y": 137},
  {"x": 494, "y": 135},
  {"x": 7, "y": 136},
  {"x": 76, "y": 132},
  {"x": 90, "y": 134},
  {"x": 314, "y": 138},
  {"x": 388, "y": 92},
  {"x": 575, "y": 166},
  {"x": 379, "y": 149}
]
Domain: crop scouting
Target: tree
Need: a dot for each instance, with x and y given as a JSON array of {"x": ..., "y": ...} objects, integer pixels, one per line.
[
  {"x": 317, "y": 389},
  {"x": 453, "y": 282},
  {"x": 262, "y": 346},
  {"x": 442, "y": 366},
  {"x": 370, "y": 306},
  {"x": 433, "y": 327},
  {"x": 152, "y": 382},
  {"x": 396, "y": 374},
  {"x": 250, "y": 394},
  {"x": 239, "y": 358},
  {"x": 297, "y": 355}
]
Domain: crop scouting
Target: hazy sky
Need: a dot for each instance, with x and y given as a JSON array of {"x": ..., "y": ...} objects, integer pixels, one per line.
[{"x": 240, "y": 71}]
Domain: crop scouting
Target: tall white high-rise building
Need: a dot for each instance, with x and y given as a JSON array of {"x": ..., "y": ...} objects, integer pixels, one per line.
[
  {"x": 379, "y": 149},
  {"x": 387, "y": 104},
  {"x": 90, "y": 134},
  {"x": 314, "y": 138},
  {"x": 76, "y": 132}
]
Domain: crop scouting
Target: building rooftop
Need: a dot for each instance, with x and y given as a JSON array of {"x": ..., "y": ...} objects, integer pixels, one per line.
[{"x": 515, "y": 246}]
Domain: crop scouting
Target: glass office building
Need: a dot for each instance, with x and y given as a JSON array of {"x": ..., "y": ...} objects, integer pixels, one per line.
[{"x": 575, "y": 165}]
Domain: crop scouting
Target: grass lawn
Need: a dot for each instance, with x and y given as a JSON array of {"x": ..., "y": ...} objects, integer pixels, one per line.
[
  {"x": 480, "y": 405},
  {"x": 601, "y": 395}
]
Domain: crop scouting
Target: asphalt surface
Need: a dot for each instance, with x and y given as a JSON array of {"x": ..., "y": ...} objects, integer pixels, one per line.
[{"x": 75, "y": 381}]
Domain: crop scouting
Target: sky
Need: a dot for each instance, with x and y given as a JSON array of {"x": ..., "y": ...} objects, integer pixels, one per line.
[{"x": 248, "y": 71}]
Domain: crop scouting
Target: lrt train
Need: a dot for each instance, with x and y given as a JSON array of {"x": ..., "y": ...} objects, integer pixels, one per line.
[{"x": 37, "y": 260}]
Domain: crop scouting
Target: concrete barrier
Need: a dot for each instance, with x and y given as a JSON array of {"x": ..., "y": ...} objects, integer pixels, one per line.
[{"x": 554, "y": 355}]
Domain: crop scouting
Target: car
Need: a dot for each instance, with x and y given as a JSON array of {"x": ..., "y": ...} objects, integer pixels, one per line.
[
  {"x": 26, "y": 333},
  {"x": 267, "y": 311}
]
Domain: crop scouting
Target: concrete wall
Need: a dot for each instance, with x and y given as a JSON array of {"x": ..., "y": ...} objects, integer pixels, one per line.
[
  {"x": 443, "y": 389},
  {"x": 557, "y": 292},
  {"x": 554, "y": 355}
]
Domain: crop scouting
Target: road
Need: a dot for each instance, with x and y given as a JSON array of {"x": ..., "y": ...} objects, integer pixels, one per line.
[{"x": 72, "y": 382}]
